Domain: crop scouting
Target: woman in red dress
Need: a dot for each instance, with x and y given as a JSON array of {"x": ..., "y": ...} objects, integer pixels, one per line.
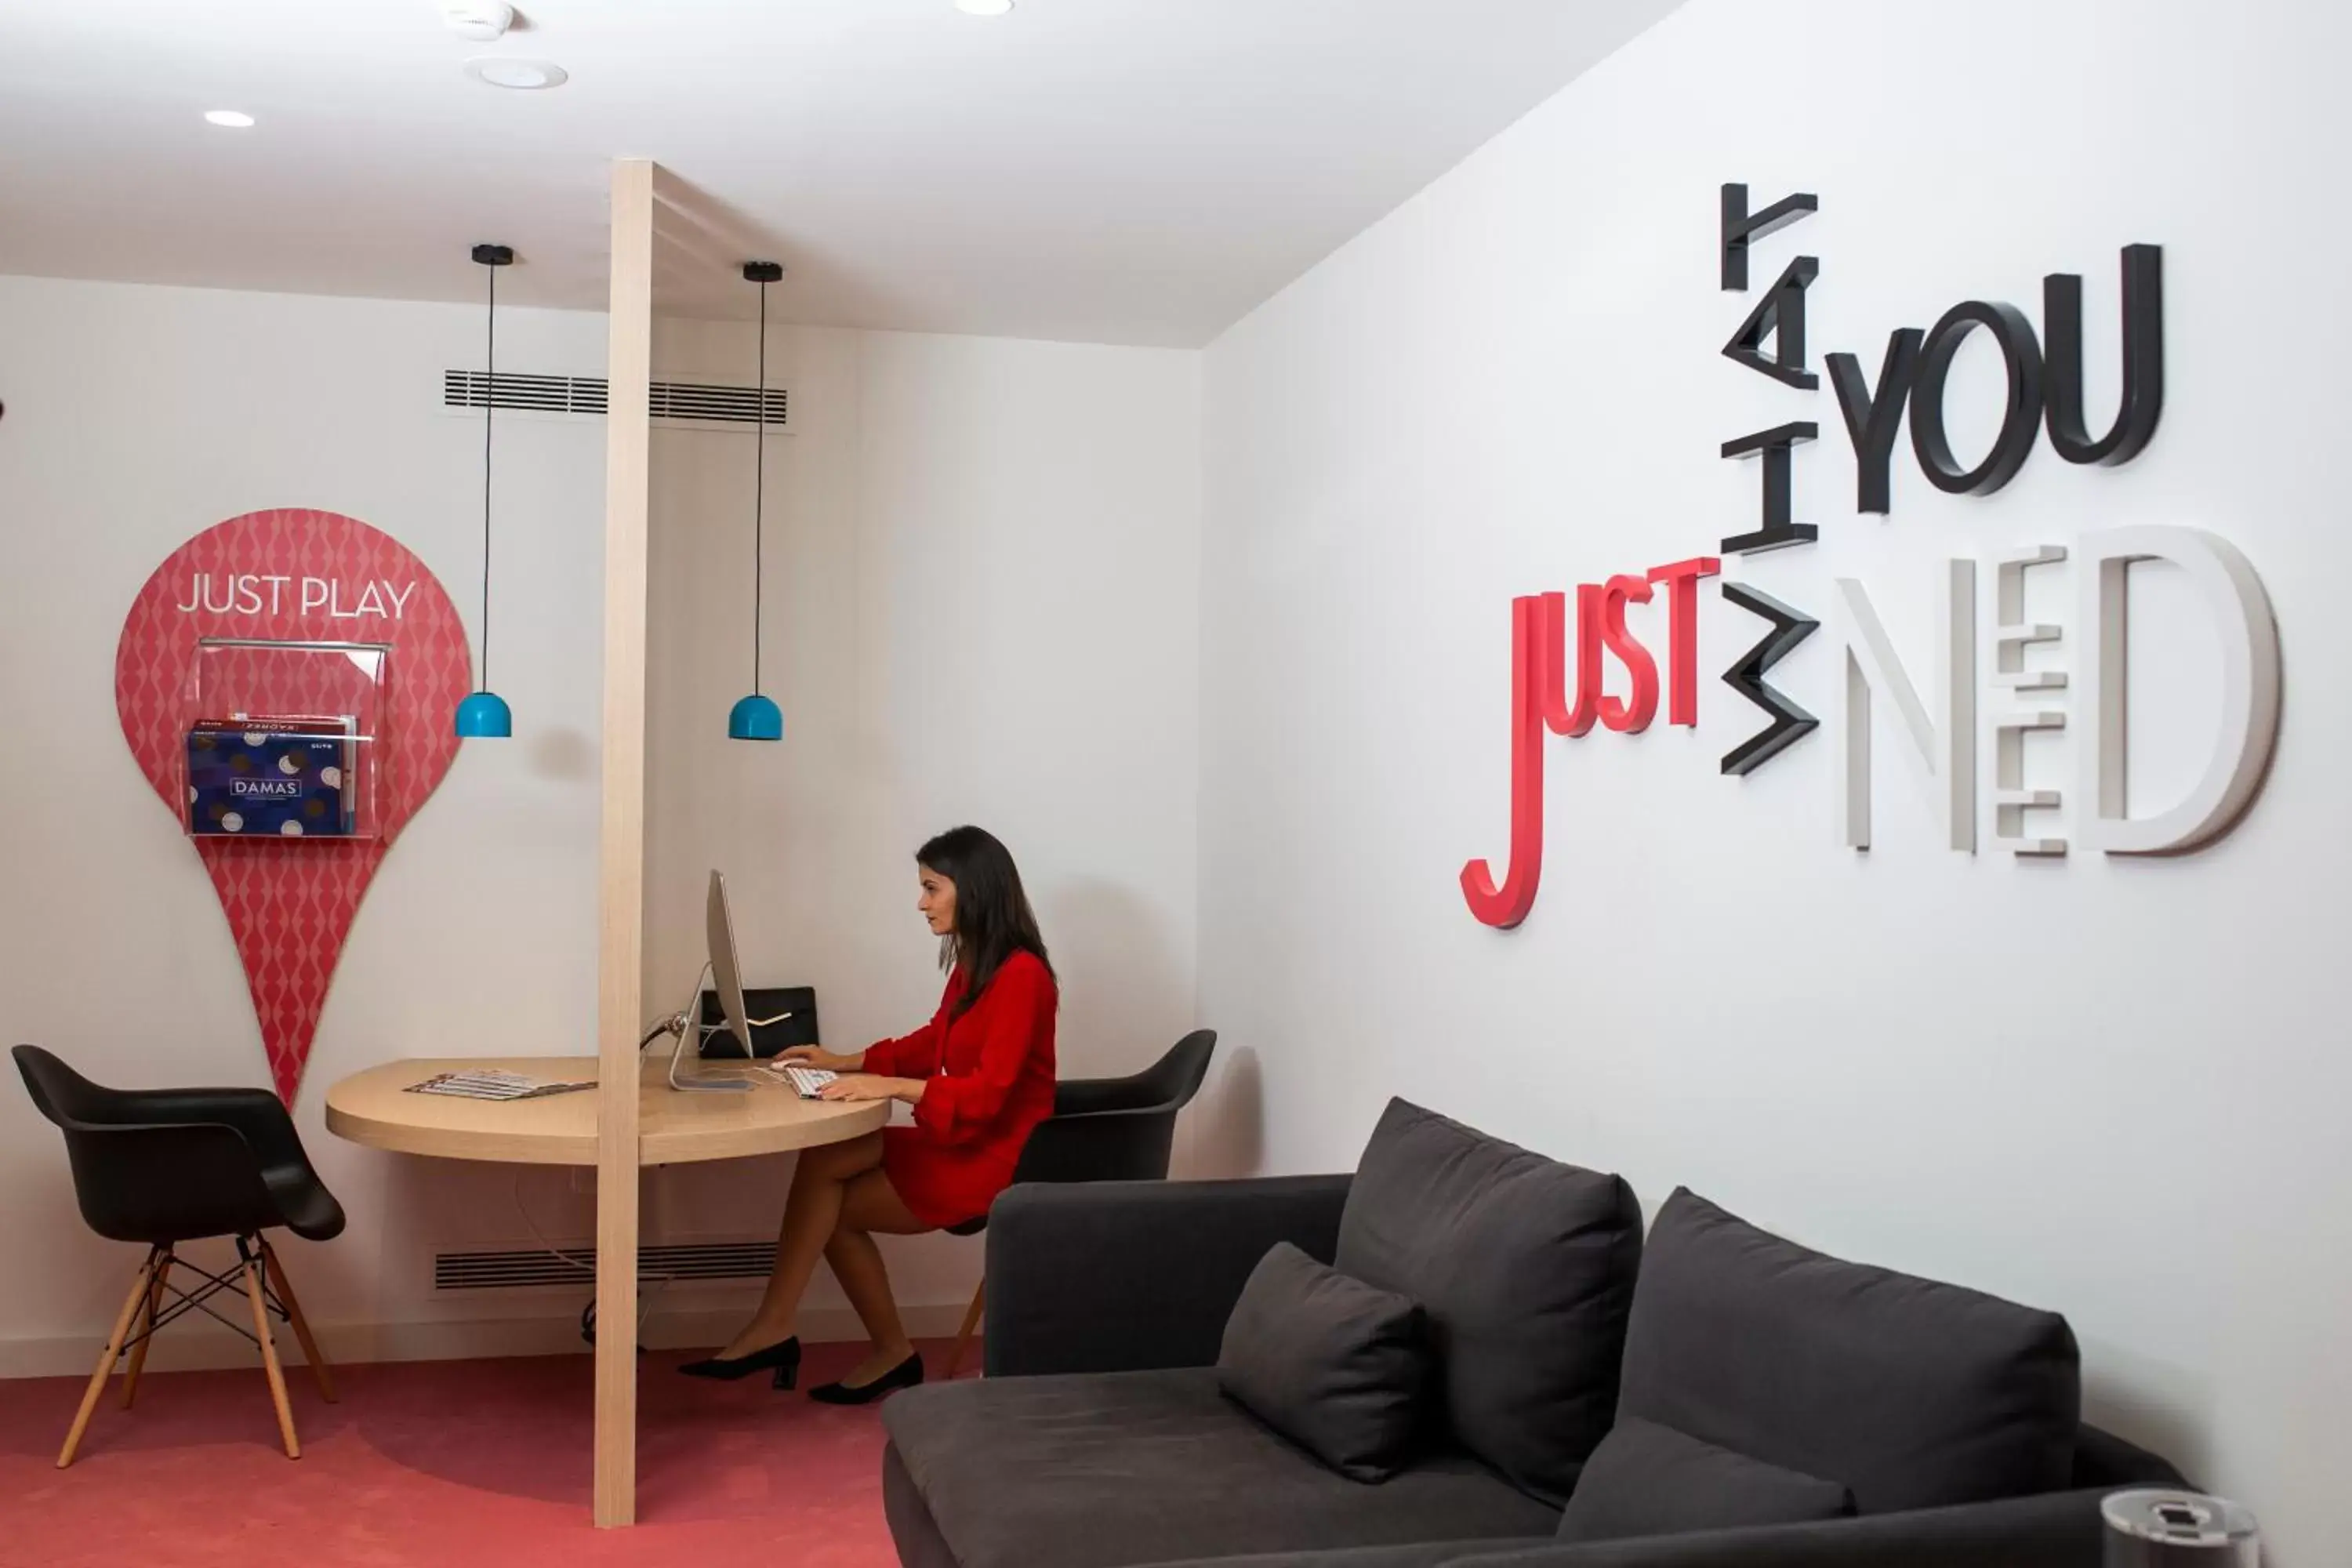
[{"x": 980, "y": 1076}]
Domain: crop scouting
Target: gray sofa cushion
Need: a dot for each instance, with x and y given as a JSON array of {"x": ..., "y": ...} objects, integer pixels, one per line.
[
  {"x": 912, "y": 1530},
  {"x": 1647, "y": 1479},
  {"x": 1107, "y": 1470},
  {"x": 1332, "y": 1364},
  {"x": 1421, "y": 1555},
  {"x": 1913, "y": 1393},
  {"x": 1525, "y": 1268}
]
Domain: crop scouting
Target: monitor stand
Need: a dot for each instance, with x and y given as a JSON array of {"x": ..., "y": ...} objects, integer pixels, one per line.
[{"x": 688, "y": 1025}]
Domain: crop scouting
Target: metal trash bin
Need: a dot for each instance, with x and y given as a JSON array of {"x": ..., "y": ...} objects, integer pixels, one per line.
[{"x": 2161, "y": 1528}]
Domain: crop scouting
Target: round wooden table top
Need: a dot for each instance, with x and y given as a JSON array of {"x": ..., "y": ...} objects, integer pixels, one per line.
[{"x": 674, "y": 1128}]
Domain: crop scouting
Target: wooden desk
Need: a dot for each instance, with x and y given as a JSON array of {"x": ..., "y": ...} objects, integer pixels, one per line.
[{"x": 373, "y": 1108}]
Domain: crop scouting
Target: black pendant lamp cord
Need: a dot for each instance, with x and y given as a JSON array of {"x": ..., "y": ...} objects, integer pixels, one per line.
[
  {"x": 489, "y": 402},
  {"x": 759, "y": 490}
]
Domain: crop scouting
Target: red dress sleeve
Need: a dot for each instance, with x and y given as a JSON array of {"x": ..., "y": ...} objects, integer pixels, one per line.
[
  {"x": 1009, "y": 1018},
  {"x": 916, "y": 1054}
]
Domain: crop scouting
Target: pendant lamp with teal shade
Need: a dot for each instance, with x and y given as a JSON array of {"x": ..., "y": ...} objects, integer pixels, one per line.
[
  {"x": 484, "y": 714},
  {"x": 757, "y": 717}
]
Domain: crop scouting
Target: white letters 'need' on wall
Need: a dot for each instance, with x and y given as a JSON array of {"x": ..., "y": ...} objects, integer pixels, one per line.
[{"x": 1938, "y": 731}]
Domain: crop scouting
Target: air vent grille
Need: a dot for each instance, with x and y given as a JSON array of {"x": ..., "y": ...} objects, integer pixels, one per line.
[
  {"x": 721, "y": 405},
  {"x": 541, "y": 394},
  {"x": 687, "y": 402},
  {"x": 510, "y": 1269}
]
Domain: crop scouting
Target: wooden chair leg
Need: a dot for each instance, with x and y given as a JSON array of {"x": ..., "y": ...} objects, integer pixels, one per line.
[
  {"x": 268, "y": 1352},
  {"x": 285, "y": 1288},
  {"x": 964, "y": 1335},
  {"x": 106, "y": 1359},
  {"x": 145, "y": 1326}
]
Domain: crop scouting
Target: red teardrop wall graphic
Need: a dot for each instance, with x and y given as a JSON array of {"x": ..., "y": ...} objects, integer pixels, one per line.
[{"x": 296, "y": 575}]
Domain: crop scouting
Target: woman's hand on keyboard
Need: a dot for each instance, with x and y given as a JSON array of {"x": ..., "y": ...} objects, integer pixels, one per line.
[{"x": 863, "y": 1086}]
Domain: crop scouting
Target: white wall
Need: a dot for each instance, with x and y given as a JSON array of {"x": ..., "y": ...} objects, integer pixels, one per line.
[
  {"x": 982, "y": 577},
  {"x": 2114, "y": 1088},
  {"x": 136, "y": 418}
]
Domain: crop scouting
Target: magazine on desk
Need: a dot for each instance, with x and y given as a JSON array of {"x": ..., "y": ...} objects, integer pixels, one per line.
[{"x": 490, "y": 1083}]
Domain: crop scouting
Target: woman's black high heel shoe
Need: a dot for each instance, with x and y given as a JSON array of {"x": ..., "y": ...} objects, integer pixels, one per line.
[
  {"x": 784, "y": 1356},
  {"x": 906, "y": 1374}
]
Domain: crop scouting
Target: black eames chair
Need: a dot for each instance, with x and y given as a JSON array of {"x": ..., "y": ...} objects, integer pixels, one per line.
[
  {"x": 1103, "y": 1130},
  {"x": 167, "y": 1166}
]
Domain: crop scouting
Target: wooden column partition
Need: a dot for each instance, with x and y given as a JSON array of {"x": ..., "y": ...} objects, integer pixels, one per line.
[{"x": 622, "y": 854}]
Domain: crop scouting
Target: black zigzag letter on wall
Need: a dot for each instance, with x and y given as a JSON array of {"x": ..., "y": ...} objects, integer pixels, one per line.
[
  {"x": 1782, "y": 318},
  {"x": 1789, "y": 723}
]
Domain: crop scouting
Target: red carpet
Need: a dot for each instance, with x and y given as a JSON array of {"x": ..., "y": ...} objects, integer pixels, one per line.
[{"x": 446, "y": 1464}]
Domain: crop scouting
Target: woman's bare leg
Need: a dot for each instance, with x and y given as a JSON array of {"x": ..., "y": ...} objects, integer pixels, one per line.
[
  {"x": 812, "y": 1210},
  {"x": 870, "y": 1204}
]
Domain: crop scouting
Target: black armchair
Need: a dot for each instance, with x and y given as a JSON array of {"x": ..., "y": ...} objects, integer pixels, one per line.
[
  {"x": 1103, "y": 1130},
  {"x": 174, "y": 1165}
]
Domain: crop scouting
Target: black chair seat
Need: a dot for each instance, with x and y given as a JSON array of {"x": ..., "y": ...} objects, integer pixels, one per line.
[
  {"x": 168, "y": 1165},
  {"x": 1112, "y": 1129}
]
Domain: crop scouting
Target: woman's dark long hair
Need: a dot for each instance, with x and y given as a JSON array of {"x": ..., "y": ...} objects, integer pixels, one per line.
[{"x": 993, "y": 918}]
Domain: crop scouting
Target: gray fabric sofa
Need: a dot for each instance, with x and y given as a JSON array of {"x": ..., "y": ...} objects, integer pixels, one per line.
[{"x": 1100, "y": 1438}]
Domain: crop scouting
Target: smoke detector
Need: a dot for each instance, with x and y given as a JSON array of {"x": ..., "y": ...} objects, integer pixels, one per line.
[{"x": 483, "y": 21}]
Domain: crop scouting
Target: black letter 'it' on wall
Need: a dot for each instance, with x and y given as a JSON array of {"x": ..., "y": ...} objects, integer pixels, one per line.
[
  {"x": 2020, "y": 419},
  {"x": 1873, "y": 418},
  {"x": 1780, "y": 316},
  {"x": 2142, "y": 399},
  {"x": 1773, "y": 445},
  {"x": 1740, "y": 227},
  {"x": 1789, "y": 722}
]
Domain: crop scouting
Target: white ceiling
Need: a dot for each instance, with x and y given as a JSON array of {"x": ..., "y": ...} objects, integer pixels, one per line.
[{"x": 1109, "y": 171}]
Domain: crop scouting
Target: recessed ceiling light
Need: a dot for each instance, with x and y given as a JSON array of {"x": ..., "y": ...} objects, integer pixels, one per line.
[
  {"x": 235, "y": 119},
  {"x": 983, "y": 7},
  {"x": 525, "y": 75}
]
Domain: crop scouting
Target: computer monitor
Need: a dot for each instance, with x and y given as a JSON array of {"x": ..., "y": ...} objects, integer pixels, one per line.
[
  {"x": 726, "y": 970},
  {"x": 727, "y": 977}
]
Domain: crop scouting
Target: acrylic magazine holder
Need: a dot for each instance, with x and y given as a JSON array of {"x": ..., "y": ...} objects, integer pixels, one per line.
[{"x": 282, "y": 738}]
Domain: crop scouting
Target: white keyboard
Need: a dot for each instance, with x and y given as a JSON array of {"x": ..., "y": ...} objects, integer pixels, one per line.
[{"x": 806, "y": 1082}]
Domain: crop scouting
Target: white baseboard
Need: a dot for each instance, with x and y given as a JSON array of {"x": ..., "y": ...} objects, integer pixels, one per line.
[{"x": 198, "y": 1345}]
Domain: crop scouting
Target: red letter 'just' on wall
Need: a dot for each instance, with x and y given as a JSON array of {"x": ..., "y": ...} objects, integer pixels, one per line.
[{"x": 1539, "y": 701}]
